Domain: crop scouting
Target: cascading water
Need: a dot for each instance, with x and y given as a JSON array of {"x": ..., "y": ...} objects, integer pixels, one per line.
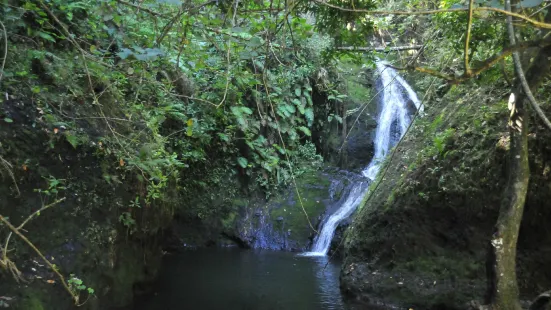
[
  {"x": 392, "y": 124},
  {"x": 395, "y": 113}
]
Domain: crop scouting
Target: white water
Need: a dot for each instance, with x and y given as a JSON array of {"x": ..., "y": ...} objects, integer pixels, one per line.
[
  {"x": 394, "y": 112},
  {"x": 392, "y": 124}
]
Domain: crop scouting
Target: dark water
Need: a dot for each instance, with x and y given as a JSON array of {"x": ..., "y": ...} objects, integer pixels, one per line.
[{"x": 237, "y": 279}]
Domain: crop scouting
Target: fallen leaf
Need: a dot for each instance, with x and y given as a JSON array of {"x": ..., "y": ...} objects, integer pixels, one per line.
[
  {"x": 56, "y": 130},
  {"x": 50, "y": 281},
  {"x": 24, "y": 167},
  {"x": 121, "y": 162}
]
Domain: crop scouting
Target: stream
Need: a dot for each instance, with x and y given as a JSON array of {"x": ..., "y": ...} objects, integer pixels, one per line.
[{"x": 238, "y": 279}]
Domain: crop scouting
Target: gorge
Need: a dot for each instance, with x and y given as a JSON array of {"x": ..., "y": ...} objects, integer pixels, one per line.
[{"x": 167, "y": 154}]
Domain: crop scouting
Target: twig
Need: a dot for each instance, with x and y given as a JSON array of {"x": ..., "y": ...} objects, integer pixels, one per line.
[
  {"x": 520, "y": 71},
  {"x": 169, "y": 25},
  {"x": 291, "y": 32},
  {"x": 50, "y": 265},
  {"x": 380, "y": 49},
  {"x": 30, "y": 217},
  {"x": 139, "y": 8},
  {"x": 363, "y": 109},
  {"x": 228, "y": 58},
  {"x": 468, "y": 37},
  {"x": 5, "y": 50},
  {"x": 8, "y": 167},
  {"x": 485, "y": 65},
  {"x": 536, "y": 12}
]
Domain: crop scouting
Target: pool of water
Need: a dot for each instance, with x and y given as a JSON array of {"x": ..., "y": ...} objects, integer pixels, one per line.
[{"x": 237, "y": 279}]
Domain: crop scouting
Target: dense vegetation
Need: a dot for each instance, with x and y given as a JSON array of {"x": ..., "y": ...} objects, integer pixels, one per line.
[{"x": 119, "y": 116}]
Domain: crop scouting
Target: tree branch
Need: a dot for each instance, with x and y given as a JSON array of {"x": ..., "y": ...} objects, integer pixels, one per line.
[
  {"x": 5, "y": 50},
  {"x": 52, "y": 267},
  {"x": 468, "y": 37},
  {"x": 141, "y": 8},
  {"x": 485, "y": 65},
  {"x": 520, "y": 73},
  {"x": 380, "y": 49},
  {"x": 536, "y": 23},
  {"x": 30, "y": 217}
]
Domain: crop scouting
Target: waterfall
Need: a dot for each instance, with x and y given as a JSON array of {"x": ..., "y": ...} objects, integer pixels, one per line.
[
  {"x": 392, "y": 123},
  {"x": 394, "y": 104}
]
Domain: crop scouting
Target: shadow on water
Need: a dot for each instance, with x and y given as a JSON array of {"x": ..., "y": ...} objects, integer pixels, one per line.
[{"x": 231, "y": 278}]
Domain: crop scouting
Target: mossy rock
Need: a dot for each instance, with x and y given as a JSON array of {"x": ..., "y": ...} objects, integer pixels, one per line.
[{"x": 280, "y": 223}]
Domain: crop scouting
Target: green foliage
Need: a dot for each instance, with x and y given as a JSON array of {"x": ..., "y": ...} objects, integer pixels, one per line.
[
  {"x": 76, "y": 286},
  {"x": 441, "y": 139},
  {"x": 163, "y": 93},
  {"x": 127, "y": 221},
  {"x": 346, "y": 27},
  {"x": 54, "y": 186}
]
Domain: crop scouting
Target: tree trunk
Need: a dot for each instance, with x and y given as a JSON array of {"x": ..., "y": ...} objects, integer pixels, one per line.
[
  {"x": 504, "y": 242},
  {"x": 503, "y": 290}
]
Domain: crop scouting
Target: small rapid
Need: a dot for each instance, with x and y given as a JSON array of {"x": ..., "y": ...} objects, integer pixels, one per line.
[{"x": 392, "y": 123}]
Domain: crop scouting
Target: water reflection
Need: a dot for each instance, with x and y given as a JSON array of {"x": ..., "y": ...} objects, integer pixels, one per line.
[
  {"x": 328, "y": 282},
  {"x": 245, "y": 279}
]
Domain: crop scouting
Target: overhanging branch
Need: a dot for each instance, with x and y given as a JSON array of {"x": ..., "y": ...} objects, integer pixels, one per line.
[
  {"x": 527, "y": 19},
  {"x": 483, "y": 66}
]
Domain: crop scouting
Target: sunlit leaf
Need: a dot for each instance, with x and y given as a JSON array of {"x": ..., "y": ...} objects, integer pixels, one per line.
[
  {"x": 305, "y": 130},
  {"x": 242, "y": 161},
  {"x": 46, "y": 36}
]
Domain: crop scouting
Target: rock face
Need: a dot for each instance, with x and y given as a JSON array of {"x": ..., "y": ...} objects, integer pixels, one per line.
[
  {"x": 280, "y": 223},
  {"x": 421, "y": 240},
  {"x": 81, "y": 235}
]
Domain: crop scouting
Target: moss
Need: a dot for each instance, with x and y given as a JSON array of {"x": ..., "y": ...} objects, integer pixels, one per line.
[
  {"x": 313, "y": 188},
  {"x": 433, "y": 211},
  {"x": 31, "y": 302},
  {"x": 355, "y": 78},
  {"x": 135, "y": 265},
  {"x": 229, "y": 220}
]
